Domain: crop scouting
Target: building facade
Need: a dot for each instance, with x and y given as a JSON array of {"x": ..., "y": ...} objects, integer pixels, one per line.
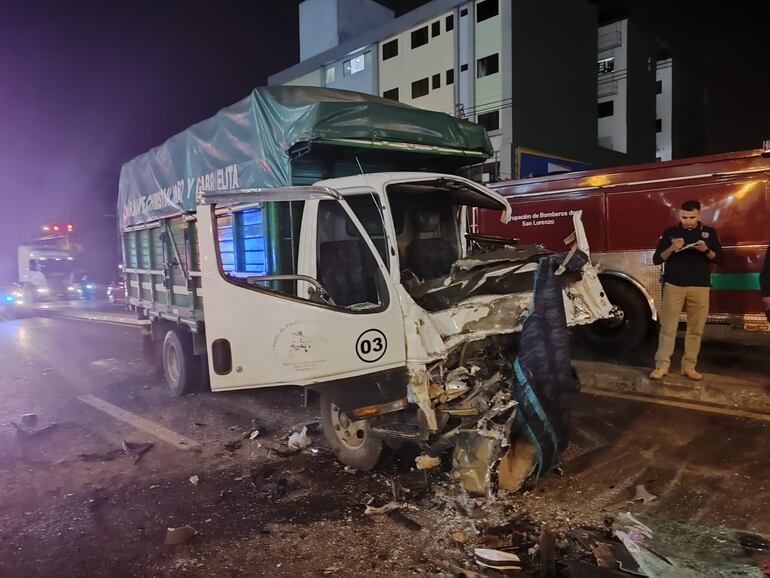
[{"x": 524, "y": 70}]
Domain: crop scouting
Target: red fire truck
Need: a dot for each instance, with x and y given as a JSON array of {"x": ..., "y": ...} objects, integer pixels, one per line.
[{"x": 624, "y": 211}]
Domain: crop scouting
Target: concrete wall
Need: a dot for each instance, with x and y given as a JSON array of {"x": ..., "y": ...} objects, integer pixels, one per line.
[
  {"x": 355, "y": 17},
  {"x": 613, "y": 86},
  {"x": 414, "y": 64},
  {"x": 312, "y": 78},
  {"x": 323, "y": 24},
  {"x": 363, "y": 81},
  {"x": 317, "y": 27},
  {"x": 663, "y": 108}
]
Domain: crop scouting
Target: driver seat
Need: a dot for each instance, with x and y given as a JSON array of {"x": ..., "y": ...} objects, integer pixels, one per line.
[{"x": 429, "y": 256}]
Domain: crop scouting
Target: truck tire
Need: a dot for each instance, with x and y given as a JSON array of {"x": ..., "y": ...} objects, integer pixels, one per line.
[
  {"x": 180, "y": 367},
  {"x": 351, "y": 441},
  {"x": 615, "y": 336}
]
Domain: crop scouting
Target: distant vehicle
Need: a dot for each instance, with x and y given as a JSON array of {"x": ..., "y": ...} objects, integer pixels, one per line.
[
  {"x": 86, "y": 288},
  {"x": 626, "y": 208},
  {"x": 46, "y": 273},
  {"x": 116, "y": 292},
  {"x": 11, "y": 302}
]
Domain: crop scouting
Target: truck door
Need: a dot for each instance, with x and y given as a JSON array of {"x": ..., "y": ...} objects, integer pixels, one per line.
[{"x": 291, "y": 299}]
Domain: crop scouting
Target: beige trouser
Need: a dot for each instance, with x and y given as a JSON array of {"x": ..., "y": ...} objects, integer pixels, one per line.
[{"x": 695, "y": 302}]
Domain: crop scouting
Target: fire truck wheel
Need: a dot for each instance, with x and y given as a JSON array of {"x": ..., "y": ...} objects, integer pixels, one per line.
[
  {"x": 611, "y": 336},
  {"x": 180, "y": 367},
  {"x": 351, "y": 441}
]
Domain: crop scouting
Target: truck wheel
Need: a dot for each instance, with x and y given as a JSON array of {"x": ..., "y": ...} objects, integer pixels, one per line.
[
  {"x": 619, "y": 335},
  {"x": 351, "y": 441},
  {"x": 180, "y": 367}
]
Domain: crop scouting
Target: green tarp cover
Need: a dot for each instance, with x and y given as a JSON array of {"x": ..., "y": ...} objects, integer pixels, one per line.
[{"x": 247, "y": 144}]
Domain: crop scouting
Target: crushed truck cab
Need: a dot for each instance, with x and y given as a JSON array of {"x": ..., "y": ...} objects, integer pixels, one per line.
[{"x": 368, "y": 288}]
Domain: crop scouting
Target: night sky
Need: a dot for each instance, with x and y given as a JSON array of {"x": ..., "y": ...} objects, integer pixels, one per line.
[{"x": 87, "y": 85}]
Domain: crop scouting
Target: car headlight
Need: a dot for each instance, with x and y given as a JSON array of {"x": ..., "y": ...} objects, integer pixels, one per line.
[
  {"x": 42, "y": 289},
  {"x": 70, "y": 288}
]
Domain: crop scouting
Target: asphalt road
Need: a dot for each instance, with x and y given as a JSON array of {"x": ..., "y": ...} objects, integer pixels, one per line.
[{"x": 73, "y": 505}]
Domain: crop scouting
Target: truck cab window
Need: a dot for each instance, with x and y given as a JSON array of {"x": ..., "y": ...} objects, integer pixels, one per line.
[
  {"x": 259, "y": 241},
  {"x": 345, "y": 265},
  {"x": 368, "y": 213}
]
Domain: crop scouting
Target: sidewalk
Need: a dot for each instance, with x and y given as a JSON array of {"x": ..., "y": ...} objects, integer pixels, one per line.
[{"x": 736, "y": 396}]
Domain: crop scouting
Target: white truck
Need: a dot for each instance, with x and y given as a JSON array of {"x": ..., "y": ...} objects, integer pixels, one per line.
[
  {"x": 367, "y": 288},
  {"x": 46, "y": 273}
]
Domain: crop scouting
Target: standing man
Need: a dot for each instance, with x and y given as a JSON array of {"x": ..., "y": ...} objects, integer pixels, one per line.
[
  {"x": 686, "y": 252},
  {"x": 764, "y": 283}
]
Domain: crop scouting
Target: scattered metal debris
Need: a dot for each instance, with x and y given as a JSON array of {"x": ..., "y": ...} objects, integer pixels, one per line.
[
  {"x": 179, "y": 535},
  {"x": 497, "y": 559},
  {"x": 29, "y": 420},
  {"x": 384, "y": 509}
]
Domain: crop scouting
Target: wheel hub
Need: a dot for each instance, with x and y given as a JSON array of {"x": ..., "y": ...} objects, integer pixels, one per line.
[{"x": 350, "y": 433}]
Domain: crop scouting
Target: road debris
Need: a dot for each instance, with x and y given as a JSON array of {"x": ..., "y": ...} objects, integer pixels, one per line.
[
  {"x": 427, "y": 462},
  {"x": 330, "y": 570},
  {"x": 29, "y": 420},
  {"x": 458, "y": 571},
  {"x": 642, "y": 495},
  {"x": 299, "y": 440},
  {"x": 458, "y": 537},
  {"x": 384, "y": 509},
  {"x": 195, "y": 480},
  {"x": 180, "y": 535},
  {"x": 136, "y": 449},
  {"x": 496, "y": 559},
  {"x": 103, "y": 457}
]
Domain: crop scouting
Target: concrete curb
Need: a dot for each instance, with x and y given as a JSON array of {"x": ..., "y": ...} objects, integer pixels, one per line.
[
  {"x": 94, "y": 316},
  {"x": 743, "y": 394}
]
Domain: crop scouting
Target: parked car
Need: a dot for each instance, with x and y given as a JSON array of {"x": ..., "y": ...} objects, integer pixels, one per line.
[{"x": 116, "y": 292}]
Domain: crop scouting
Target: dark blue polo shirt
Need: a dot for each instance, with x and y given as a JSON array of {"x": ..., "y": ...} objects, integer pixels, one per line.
[{"x": 688, "y": 267}]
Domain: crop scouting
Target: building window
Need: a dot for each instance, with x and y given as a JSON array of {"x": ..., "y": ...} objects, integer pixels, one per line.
[
  {"x": 420, "y": 37},
  {"x": 463, "y": 67},
  {"x": 390, "y": 49},
  {"x": 354, "y": 65},
  {"x": 606, "y": 108},
  {"x": 606, "y": 65},
  {"x": 419, "y": 88},
  {"x": 658, "y": 87},
  {"x": 449, "y": 22},
  {"x": 330, "y": 75},
  {"x": 391, "y": 94},
  {"x": 435, "y": 81},
  {"x": 435, "y": 29},
  {"x": 489, "y": 120},
  {"x": 486, "y": 10},
  {"x": 487, "y": 65},
  {"x": 450, "y": 76},
  {"x": 658, "y": 125},
  {"x": 463, "y": 12}
]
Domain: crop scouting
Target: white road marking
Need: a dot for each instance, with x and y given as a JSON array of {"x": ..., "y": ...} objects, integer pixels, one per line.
[
  {"x": 149, "y": 426},
  {"x": 682, "y": 404}
]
